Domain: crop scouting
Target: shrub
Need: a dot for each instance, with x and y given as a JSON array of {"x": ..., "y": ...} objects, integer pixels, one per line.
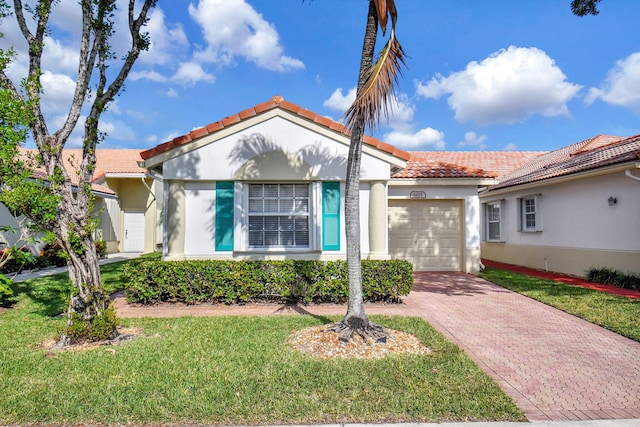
[
  {"x": 54, "y": 254},
  {"x": 16, "y": 259},
  {"x": 608, "y": 276},
  {"x": 5, "y": 290},
  {"x": 101, "y": 248},
  {"x": 232, "y": 282},
  {"x": 100, "y": 328}
]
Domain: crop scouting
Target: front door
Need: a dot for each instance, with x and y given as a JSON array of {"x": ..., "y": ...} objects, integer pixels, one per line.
[{"x": 133, "y": 232}]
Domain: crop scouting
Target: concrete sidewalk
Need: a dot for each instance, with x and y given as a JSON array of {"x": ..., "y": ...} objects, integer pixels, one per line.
[{"x": 122, "y": 256}]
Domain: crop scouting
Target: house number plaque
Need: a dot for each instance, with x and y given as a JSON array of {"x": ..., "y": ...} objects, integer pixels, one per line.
[{"x": 417, "y": 195}]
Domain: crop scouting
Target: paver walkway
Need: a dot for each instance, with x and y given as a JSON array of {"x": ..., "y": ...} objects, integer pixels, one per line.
[{"x": 554, "y": 365}]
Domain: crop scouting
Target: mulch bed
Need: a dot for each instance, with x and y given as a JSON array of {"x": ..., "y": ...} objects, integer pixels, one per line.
[{"x": 321, "y": 343}]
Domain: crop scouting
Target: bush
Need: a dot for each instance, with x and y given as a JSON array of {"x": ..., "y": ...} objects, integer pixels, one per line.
[
  {"x": 54, "y": 254},
  {"x": 232, "y": 282},
  {"x": 17, "y": 259},
  {"x": 5, "y": 290},
  {"x": 608, "y": 276},
  {"x": 100, "y": 328},
  {"x": 101, "y": 248}
]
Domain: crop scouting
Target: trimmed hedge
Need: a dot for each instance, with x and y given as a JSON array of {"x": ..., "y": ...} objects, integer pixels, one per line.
[{"x": 233, "y": 282}]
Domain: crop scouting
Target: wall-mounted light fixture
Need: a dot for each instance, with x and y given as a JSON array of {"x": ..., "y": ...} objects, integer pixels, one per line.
[{"x": 612, "y": 201}]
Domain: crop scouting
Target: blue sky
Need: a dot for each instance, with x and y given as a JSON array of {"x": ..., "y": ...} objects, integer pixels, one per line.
[{"x": 482, "y": 75}]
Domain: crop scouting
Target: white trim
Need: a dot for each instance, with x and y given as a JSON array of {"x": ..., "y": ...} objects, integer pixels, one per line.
[
  {"x": 487, "y": 221},
  {"x": 522, "y": 220}
]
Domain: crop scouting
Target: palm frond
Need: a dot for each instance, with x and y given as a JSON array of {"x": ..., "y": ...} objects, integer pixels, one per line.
[
  {"x": 384, "y": 8},
  {"x": 379, "y": 89}
]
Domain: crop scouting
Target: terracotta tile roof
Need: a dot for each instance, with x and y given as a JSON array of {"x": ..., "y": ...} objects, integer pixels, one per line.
[
  {"x": 275, "y": 102},
  {"x": 597, "y": 152},
  {"x": 464, "y": 164},
  {"x": 108, "y": 161}
]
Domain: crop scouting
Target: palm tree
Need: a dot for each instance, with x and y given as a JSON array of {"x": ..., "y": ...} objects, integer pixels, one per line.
[{"x": 376, "y": 87}]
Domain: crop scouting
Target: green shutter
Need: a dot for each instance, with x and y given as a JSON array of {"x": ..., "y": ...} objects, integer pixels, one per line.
[
  {"x": 330, "y": 216},
  {"x": 224, "y": 216}
]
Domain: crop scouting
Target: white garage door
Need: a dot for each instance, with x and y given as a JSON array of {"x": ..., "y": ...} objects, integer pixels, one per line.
[{"x": 426, "y": 232}]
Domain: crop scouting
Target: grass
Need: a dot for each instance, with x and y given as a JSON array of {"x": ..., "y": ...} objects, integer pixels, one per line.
[
  {"x": 226, "y": 371},
  {"x": 616, "y": 313}
]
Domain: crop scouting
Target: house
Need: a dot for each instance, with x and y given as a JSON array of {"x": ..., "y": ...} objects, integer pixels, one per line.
[
  {"x": 129, "y": 222},
  {"x": 268, "y": 182},
  {"x": 125, "y": 202},
  {"x": 568, "y": 210}
]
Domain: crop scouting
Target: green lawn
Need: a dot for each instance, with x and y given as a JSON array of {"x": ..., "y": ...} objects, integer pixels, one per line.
[
  {"x": 616, "y": 313},
  {"x": 228, "y": 370}
]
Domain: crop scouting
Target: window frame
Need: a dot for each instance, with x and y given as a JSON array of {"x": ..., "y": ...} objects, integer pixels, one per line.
[
  {"x": 488, "y": 221},
  {"x": 292, "y": 213},
  {"x": 524, "y": 214}
]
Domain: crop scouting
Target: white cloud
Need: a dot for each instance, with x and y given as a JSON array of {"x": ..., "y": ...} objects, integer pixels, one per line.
[
  {"x": 153, "y": 76},
  {"x": 114, "y": 107},
  {"x": 510, "y": 147},
  {"x": 59, "y": 57},
  {"x": 190, "y": 73},
  {"x": 507, "y": 87},
  {"x": 472, "y": 139},
  {"x": 167, "y": 41},
  {"x": 172, "y": 93},
  {"x": 234, "y": 28},
  {"x": 151, "y": 139},
  {"x": 116, "y": 130},
  {"x": 424, "y": 138},
  {"x": 339, "y": 101},
  {"x": 57, "y": 92},
  {"x": 622, "y": 86},
  {"x": 401, "y": 113}
]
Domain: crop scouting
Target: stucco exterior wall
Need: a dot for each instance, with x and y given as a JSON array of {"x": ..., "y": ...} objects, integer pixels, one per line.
[
  {"x": 579, "y": 228},
  {"x": 133, "y": 196},
  {"x": 468, "y": 195},
  {"x": 9, "y": 239},
  {"x": 199, "y": 226},
  {"x": 277, "y": 149}
]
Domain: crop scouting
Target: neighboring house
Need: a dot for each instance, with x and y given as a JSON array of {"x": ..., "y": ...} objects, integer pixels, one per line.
[
  {"x": 125, "y": 202},
  {"x": 130, "y": 222},
  {"x": 268, "y": 182},
  {"x": 568, "y": 210}
]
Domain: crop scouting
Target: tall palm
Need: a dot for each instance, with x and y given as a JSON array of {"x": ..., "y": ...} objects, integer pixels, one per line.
[{"x": 376, "y": 87}]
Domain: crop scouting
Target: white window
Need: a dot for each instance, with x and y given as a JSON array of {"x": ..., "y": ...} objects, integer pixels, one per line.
[
  {"x": 278, "y": 215},
  {"x": 530, "y": 218},
  {"x": 493, "y": 222}
]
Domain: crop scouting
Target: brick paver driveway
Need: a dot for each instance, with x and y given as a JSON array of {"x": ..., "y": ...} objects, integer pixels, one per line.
[{"x": 554, "y": 365}]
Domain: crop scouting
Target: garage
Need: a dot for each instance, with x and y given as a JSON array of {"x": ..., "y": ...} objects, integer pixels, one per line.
[{"x": 426, "y": 232}]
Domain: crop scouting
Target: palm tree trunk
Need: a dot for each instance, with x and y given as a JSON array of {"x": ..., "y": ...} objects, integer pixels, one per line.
[{"x": 356, "y": 317}]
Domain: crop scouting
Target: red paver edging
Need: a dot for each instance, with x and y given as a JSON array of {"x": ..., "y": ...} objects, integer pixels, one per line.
[{"x": 563, "y": 278}]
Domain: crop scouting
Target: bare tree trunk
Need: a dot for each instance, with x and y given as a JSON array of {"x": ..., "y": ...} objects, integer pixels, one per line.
[{"x": 68, "y": 216}]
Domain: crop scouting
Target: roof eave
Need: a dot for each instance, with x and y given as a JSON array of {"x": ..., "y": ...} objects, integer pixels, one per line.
[
  {"x": 605, "y": 170},
  {"x": 442, "y": 181},
  {"x": 397, "y": 158}
]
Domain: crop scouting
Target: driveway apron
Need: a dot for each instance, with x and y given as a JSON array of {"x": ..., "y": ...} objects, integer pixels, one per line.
[{"x": 554, "y": 365}]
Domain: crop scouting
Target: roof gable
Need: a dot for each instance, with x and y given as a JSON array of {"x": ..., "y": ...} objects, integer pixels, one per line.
[
  {"x": 277, "y": 102},
  {"x": 590, "y": 154}
]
